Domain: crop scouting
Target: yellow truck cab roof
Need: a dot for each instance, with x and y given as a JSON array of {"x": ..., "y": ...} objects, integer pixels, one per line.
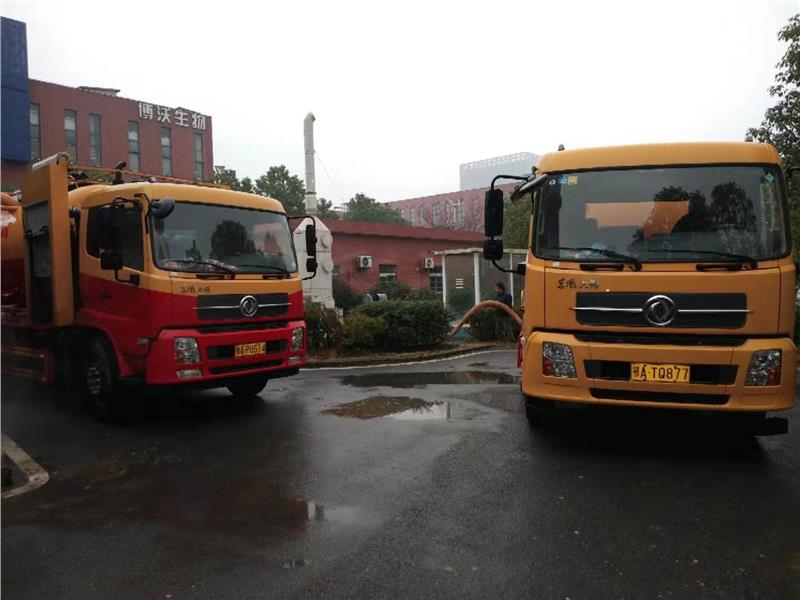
[
  {"x": 645, "y": 155},
  {"x": 178, "y": 192}
]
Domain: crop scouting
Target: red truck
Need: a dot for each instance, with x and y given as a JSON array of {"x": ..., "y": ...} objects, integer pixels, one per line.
[{"x": 148, "y": 284}]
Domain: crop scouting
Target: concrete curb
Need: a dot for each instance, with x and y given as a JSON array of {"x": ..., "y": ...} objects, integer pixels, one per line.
[
  {"x": 36, "y": 475},
  {"x": 393, "y": 359}
]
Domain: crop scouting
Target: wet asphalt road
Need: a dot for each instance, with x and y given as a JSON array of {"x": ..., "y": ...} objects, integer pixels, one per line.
[{"x": 455, "y": 498}]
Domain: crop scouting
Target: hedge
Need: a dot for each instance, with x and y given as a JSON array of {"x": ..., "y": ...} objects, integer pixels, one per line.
[
  {"x": 362, "y": 331},
  {"x": 409, "y": 324},
  {"x": 491, "y": 324},
  {"x": 324, "y": 327}
]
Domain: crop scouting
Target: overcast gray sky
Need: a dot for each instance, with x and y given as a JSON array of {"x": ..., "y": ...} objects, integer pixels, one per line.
[{"x": 404, "y": 92}]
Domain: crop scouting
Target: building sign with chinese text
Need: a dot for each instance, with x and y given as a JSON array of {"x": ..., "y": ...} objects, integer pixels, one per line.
[{"x": 172, "y": 116}]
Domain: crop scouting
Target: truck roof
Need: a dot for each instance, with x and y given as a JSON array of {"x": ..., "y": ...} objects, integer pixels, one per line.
[
  {"x": 645, "y": 155},
  {"x": 194, "y": 193}
]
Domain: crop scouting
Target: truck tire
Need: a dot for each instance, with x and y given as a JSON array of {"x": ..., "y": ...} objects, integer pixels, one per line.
[
  {"x": 100, "y": 382},
  {"x": 248, "y": 389},
  {"x": 535, "y": 412}
]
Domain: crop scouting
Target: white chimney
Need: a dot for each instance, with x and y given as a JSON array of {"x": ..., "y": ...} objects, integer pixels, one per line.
[
  {"x": 320, "y": 287},
  {"x": 311, "y": 184}
]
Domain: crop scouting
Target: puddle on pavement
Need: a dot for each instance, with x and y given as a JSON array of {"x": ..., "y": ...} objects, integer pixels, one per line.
[
  {"x": 393, "y": 407},
  {"x": 407, "y": 380}
]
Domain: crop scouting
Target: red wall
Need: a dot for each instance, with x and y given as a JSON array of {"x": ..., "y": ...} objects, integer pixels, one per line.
[
  {"x": 398, "y": 245},
  {"x": 115, "y": 112}
]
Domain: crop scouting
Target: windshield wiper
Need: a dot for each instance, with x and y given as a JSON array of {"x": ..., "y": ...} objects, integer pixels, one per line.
[
  {"x": 273, "y": 267},
  {"x": 743, "y": 258},
  {"x": 625, "y": 258},
  {"x": 219, "y": 265}
]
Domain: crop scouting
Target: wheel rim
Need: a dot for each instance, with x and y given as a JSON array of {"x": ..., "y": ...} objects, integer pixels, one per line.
[{"x": 94, "y": 379}]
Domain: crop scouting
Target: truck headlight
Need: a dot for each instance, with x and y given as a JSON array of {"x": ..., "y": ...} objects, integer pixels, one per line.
[
  {"x": 297, "y": 339},
  {"x": 186, "y": 350},
  {"x": 765, "y": 368},
  {"x": 557, "y": 360}
]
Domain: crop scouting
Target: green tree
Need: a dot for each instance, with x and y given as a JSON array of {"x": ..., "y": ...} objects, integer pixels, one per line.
[
  {"x": 516, "y": 222},
  {"x": 325, "y": 210},
  {"x": 226, "y": 176},
  {"x": 363, "y": 208},
  {"x": 278, "y": 183},
  {"x": 781, "y": 124}
]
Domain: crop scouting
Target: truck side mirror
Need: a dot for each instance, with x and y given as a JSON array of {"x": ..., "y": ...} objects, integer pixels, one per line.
[
  {"x": 493, "y": 249},
  {"x": 521, "y": 267},
  {"x": 111, "y": 260},
  {"x": 493, "y": 213},
  {"x": 311, "y": 239},
  {"x": 161, "y": 209}
]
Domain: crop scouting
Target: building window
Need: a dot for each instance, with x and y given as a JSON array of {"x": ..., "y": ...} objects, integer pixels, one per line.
[
  {"x": 387, "y": 273},
  {"x": 71, "y": 134},
  {"x": 36, "y": 137},
  {"x": 133, "y": 146},
  {"x": 435, "y": 280},
  {"x": 95, "y": 152},
  {"x": 198, "y": 156},
  {"x": 437, "y": 214},
  {"x": 166, "y": 151},
  {"x": 413, "y": 216}
]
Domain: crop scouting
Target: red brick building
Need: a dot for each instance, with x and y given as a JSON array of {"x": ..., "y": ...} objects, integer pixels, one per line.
[
  {"x": 396, "y": 253},
  {"x": 454, "y": 210},
  {"x": 97, "y": 127}
]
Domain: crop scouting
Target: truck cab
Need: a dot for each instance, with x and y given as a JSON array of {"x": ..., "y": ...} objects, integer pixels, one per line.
[{"x": 661, "y": 276}]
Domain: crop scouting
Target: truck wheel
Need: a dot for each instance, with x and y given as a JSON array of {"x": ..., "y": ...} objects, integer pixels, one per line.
[
  {"x": 535, "y": 412},
  {"x": 102, "y": 392},
  {"x": 248, "y": 389}
]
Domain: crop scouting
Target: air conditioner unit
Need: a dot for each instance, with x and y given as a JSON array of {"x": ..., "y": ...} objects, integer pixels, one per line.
[
  {"x": 428, "y": 263},
  {"x": 364, "y": 262}
]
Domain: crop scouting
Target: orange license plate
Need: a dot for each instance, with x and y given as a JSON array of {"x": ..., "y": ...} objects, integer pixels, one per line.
[
  {"x": 254, "y": 349},
  {"x": 659, "y": 373}
]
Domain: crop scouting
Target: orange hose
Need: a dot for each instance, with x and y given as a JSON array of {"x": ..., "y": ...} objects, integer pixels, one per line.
[{"x": 485, "y": 304}]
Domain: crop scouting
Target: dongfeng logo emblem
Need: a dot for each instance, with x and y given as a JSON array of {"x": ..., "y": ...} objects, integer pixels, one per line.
[
  {"x": 660, "y": 311},
  {"x": 248, "y": 306}
]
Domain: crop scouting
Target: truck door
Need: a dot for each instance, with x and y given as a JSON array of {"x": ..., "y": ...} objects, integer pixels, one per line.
[{"x": 113, "y": 299}]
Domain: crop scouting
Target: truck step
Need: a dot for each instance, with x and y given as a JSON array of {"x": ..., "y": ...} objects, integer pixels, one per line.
[{"x": 31, "y": 363}]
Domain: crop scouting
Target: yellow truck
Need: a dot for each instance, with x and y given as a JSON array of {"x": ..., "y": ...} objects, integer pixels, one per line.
[{"x": 657, "y": 276}]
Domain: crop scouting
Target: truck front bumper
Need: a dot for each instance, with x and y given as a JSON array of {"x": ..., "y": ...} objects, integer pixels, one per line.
[
  {"x": 718, "y": 374},
  {"x": 217, "y": 360}
]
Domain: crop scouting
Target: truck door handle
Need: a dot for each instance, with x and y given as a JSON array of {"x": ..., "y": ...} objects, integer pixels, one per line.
[{"x": 105, "y": 296}]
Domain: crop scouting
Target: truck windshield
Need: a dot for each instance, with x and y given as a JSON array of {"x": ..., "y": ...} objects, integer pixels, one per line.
[
  {"x": 210, "y": 238},
  {"x": 686, "y": 214}
]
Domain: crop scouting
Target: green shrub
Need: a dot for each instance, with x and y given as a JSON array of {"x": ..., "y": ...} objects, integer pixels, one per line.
[
  {"x": 409, "y": 324},
  {"x": 423, "y": 295},
  {"x": 394, "y": 290},
  {"x": 343, "y": 295},
  {"x": 491, "y": 324},
  {"x": 324, "y": 327},
  {"x": 362, "y": 331},
  {"x": 460, "y": 301}
]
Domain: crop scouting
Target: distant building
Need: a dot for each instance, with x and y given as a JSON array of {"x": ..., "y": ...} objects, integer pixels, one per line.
[
  {"x": 479, "y": 174},
  {"x": 452, "y": 210},
  {"x": 365, "y": 254},
  {"x": 92, "y": 124}
]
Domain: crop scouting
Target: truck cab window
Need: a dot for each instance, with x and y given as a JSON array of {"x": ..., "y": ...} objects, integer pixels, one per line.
[{"x": 129, "y": 235}]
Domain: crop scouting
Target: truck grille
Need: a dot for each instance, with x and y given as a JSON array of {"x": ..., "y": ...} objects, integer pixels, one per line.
[
  {"x": 226, "y": 306},
  {"x": 628, "y": 309},
  {"x": 601, "y": 394}
]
